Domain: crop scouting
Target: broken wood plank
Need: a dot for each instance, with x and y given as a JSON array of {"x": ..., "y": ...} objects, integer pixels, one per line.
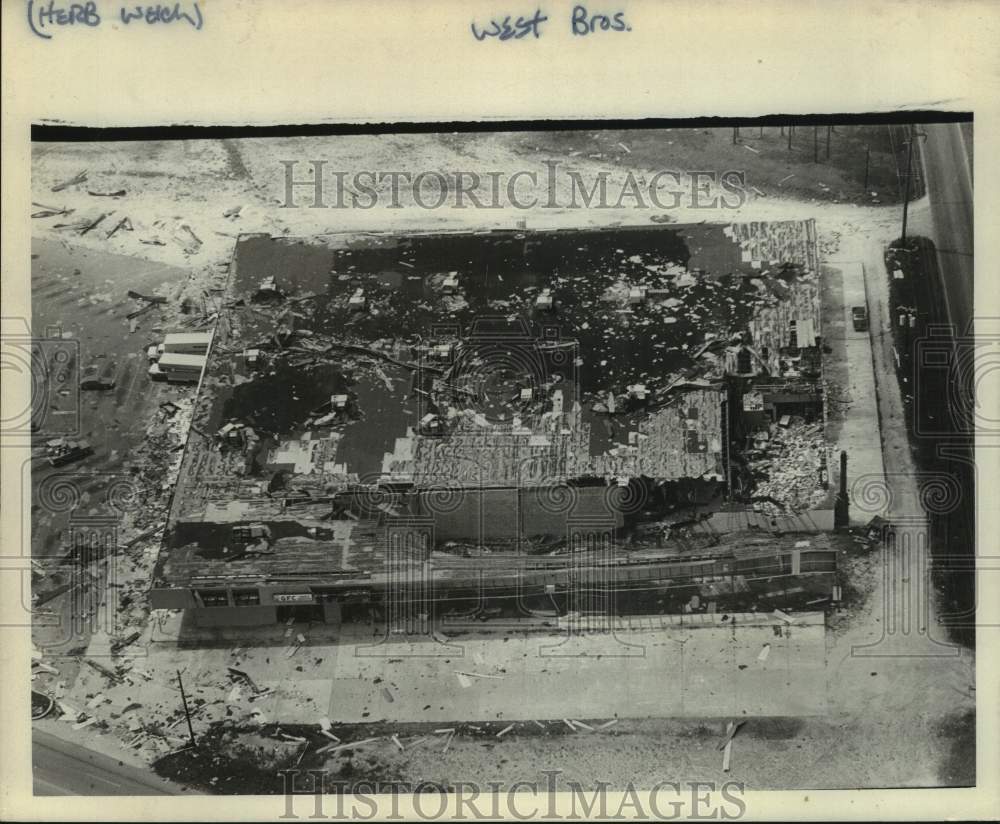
[
  {"x": 103, "y": 670},
  {"x": 788, "y": 619},
  {"x": 88, "y": 226},
  {"x": 303, "y": 752},
  {"x": 340, "y": 747},
  {"x": 731, "y": 730},
  {"x": 80, "y": 178},
  {"x": 140, "y": 311},
  {"x": 124, "y": 223},
  {"x": 50, "y": 212},
  {"x": 477, "y": 675}
]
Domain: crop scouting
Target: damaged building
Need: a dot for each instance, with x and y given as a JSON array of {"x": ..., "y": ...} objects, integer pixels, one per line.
[{"x": 449, "y": 412}]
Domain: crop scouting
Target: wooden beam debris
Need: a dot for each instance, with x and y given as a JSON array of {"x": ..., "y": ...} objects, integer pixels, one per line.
[
  {"x": 49, "y": 211},
  {"x": 477, "y": 675},
  {"x": 73, "y": 181},
  {"x": 727, "y": 756},
  {"x": 103, "y": 670},
  {"x": 351, "y": 745},
  {"x": 86, "y": 227},
  {"x": 788, "y": 619},
  {"x": 731, "y": 730},
  {"x": 727, "y": 745},
  {"x": 124, "y": 223}
]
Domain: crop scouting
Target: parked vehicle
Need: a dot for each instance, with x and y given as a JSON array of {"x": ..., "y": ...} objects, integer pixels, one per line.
[
  {"x": 70, "y": 451},
  {"x": 186, "y": 343},
  {"x": 178, "y": 368},
  {"x": 99, "y": 378},
  {"x": 859, "y": 315}
]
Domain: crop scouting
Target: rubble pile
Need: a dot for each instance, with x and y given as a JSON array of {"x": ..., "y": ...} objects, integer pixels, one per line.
[
  {"x": 788, "y": 469},
  {"x": 125, "y": 693}
]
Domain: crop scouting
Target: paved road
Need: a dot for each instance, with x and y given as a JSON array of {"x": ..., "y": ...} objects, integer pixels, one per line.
[
  {"x": 948, "y": 173},
  {"x": 62, "y": 768}
]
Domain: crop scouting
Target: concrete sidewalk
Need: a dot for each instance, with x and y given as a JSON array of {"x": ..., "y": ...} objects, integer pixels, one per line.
[
  {"x": 855, "y": 428},
  {"x": 645, "y": 668}
]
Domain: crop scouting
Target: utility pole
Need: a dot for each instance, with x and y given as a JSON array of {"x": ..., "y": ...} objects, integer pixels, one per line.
[
  {"x": 815, "y": 144},
  {"x": 187, "y": 713},
  {"x": 736, "y": 134},
  {"x": 868, "y": 157},
  {"x": 791, "y": 131},
  {"x": 909, "y": 176},
  {"x": 829, "y": 129}
]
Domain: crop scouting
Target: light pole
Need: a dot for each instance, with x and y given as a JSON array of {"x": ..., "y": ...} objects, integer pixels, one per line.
[
  {"x": 909, "y": 177},
  {"x": 187, "y": 713}
]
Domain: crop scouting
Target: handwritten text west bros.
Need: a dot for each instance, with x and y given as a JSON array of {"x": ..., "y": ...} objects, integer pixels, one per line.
[{"x": 582, "y": 22}]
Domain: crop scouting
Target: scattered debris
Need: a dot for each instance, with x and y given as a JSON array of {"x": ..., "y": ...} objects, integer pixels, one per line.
[
  {"x": 86, "y": 227},
  {"x": 727, "y": 747},
  {"x": 49, "y": 211},
  {"x": 351, "y": 745},
  {"x": 124, "y": 223},
  {"x": 73, "y": 181},
  {"x": 788, "y": 619},
  {"x": 103, "y": 670}
]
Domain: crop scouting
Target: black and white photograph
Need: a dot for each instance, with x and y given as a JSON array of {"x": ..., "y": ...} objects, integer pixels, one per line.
[
  {"x": 474, "y": 465},
  {"x": 573, "y": 450}
]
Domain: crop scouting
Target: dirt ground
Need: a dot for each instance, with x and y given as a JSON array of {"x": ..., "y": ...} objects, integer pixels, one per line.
[{"x": 891, "y": 720}]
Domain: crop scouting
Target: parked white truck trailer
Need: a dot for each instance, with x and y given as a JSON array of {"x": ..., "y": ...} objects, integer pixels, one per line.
[
  {"x": 185, "y": 343},
  {"x": 178, "y": 368}
]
